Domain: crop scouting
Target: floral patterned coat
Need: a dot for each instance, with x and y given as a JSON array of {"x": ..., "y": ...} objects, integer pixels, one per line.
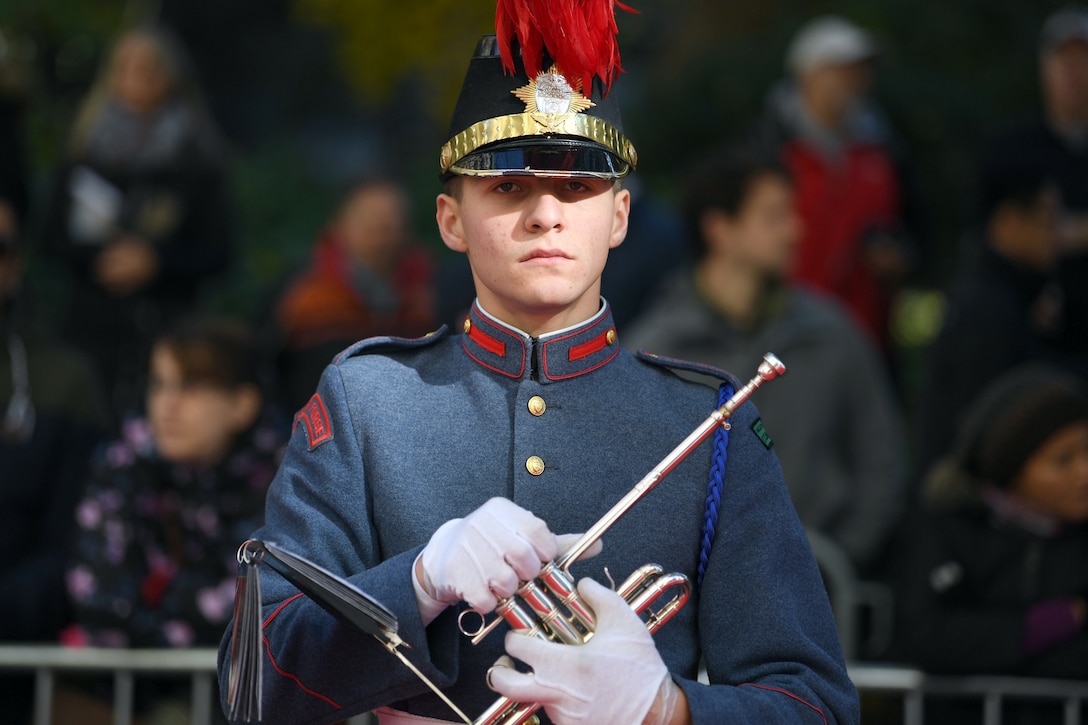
[{"x": 154, "y": 553}]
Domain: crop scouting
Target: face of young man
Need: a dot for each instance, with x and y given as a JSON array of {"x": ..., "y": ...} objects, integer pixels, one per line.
[
  {"x": 764, "y": 233},
  {"x": 537, "y": 245}
]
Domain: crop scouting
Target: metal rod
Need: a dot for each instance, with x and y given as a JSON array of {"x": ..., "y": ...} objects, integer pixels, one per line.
[
  {"x": 201, "y": 700},
  {"x": 991, "y": 708},
  {"x": 44, "y": 682},
  {"x": 1072, "y": 711},
  {"x": 769, "y": 369},
  {"x": 123, "y": 696},
  {"x": 426, "y": 681}
]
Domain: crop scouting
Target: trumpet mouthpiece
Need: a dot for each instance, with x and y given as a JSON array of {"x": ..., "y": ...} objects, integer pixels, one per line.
[{"x": 771, "y": 367}]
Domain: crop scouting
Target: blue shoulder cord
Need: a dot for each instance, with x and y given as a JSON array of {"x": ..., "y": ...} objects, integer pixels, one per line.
[{"x": 714, "y": 488}]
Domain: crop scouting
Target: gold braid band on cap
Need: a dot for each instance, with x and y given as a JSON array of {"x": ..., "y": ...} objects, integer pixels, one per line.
[{"x": 505, "y": 128}]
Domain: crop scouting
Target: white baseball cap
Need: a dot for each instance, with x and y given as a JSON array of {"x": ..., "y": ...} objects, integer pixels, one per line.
[
  {"x": 1063, "y": 26},
  {"x": 829, "y": 40}
]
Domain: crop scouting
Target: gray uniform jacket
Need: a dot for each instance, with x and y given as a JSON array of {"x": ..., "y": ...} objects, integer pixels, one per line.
[
  {"x": 844, "y": 459},
  {"x": 402, "y": 436}
]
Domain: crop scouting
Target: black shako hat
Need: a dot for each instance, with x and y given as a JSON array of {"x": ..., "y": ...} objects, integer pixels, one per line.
[{"x": 521, "y": 112}]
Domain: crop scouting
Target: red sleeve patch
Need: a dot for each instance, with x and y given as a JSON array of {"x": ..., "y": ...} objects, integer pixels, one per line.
[{"x": 316, "y": 419}]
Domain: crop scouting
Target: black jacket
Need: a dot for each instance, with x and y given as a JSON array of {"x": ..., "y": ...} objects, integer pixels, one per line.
[
  {"x": 41, "y": 478},
  {"x": 992, "y": 322},
  {"x": 966, "y": 586}
]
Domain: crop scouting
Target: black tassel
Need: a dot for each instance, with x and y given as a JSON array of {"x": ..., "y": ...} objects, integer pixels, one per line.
[
  {"x": 336, "y": 595},
  {"x": 244, "y": 680}
]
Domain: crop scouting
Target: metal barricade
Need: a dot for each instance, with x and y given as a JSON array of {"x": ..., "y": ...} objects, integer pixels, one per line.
[
  {"x": 199, "y": 665},
  {"x": 914, "y": 686},
  {"x": 123, "y": 666}
]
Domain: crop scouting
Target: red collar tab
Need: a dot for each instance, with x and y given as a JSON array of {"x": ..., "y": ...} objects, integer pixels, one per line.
[{"x": 560, "y": 356}]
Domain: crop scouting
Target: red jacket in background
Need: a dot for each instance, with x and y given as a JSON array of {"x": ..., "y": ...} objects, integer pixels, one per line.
[{"x": 841, "y": 202}]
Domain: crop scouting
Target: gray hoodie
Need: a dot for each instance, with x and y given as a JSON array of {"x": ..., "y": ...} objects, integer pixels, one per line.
[{"x": 833, "y": 419}]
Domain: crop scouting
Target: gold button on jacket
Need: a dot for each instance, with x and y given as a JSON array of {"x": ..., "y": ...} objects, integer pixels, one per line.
[
  {"x": 537, "y": 406},
  {"x": 534, "y": 465}
]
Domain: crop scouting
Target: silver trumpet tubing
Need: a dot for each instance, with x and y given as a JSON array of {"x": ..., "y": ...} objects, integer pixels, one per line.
[{"x": 549, "y": 606}]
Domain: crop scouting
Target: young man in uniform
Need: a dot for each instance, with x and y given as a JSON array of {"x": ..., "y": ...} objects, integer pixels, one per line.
[{"x": 435, "y": 473}]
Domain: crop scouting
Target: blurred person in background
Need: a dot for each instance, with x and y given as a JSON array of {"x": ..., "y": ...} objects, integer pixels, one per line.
[
  {"x": 852, "y": 184},
  {"x": 140, "y": 215},
  {"x": 169, "y": 502},
  {"x": 1002, "y": 308},
  {"x": 1054, "y": 143},
  {"x": 654, "y": 248},
  {"x": 844, "y": 460},
  {"x": 367, "y": 277},
  {"x": 52, "y": 414},
  {"x": 996, "y": 567}
]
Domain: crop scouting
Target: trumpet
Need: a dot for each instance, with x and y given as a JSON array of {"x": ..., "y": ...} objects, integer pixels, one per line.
[{"x": 549, "y": 606}]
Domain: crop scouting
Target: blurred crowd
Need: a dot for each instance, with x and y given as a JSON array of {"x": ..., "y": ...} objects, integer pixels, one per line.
[{"x": 140, "y": 428}]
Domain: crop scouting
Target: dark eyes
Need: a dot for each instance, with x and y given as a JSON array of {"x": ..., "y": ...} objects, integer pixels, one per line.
[
  {"x": 507, "y": 187},
  {"x": 562, "y": 186}
]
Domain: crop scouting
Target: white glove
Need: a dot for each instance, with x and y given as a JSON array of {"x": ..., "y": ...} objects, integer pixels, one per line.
[
  {"x": 485, "y": 556},
  {"x": 615, "y": 677}
]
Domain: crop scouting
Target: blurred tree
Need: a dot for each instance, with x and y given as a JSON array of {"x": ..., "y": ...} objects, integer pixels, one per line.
[
  {"x": 307, "y": 87},
  {"x": 384, "y": 43},
  {"x": 50, "y": 51}
]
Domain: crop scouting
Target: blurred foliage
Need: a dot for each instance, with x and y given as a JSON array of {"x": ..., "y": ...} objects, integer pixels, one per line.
[
  {"x": 382, "y": 43},
  {"x": 66, "y": 20},
  {"x": 49, "y": 53},
  {"x": 698, "y": 72},
  {"x": 281, "y": 208}
]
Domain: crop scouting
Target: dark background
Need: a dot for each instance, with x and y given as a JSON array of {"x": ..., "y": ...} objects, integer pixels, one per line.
[{"x": 312, "y": 92}]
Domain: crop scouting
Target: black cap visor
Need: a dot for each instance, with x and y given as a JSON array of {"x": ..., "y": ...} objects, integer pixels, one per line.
[{"x": 546, "y": 157}]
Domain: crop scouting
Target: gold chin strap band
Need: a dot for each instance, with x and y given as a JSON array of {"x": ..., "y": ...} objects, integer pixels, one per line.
[{"x": 521, "y": 125}]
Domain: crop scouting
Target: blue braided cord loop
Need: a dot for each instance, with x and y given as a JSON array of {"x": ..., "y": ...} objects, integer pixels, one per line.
[{"x": 714, "y": 487}]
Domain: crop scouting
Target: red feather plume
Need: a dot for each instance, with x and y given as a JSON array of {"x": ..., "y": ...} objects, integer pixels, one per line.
[{"x": 579, "y": 35}]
